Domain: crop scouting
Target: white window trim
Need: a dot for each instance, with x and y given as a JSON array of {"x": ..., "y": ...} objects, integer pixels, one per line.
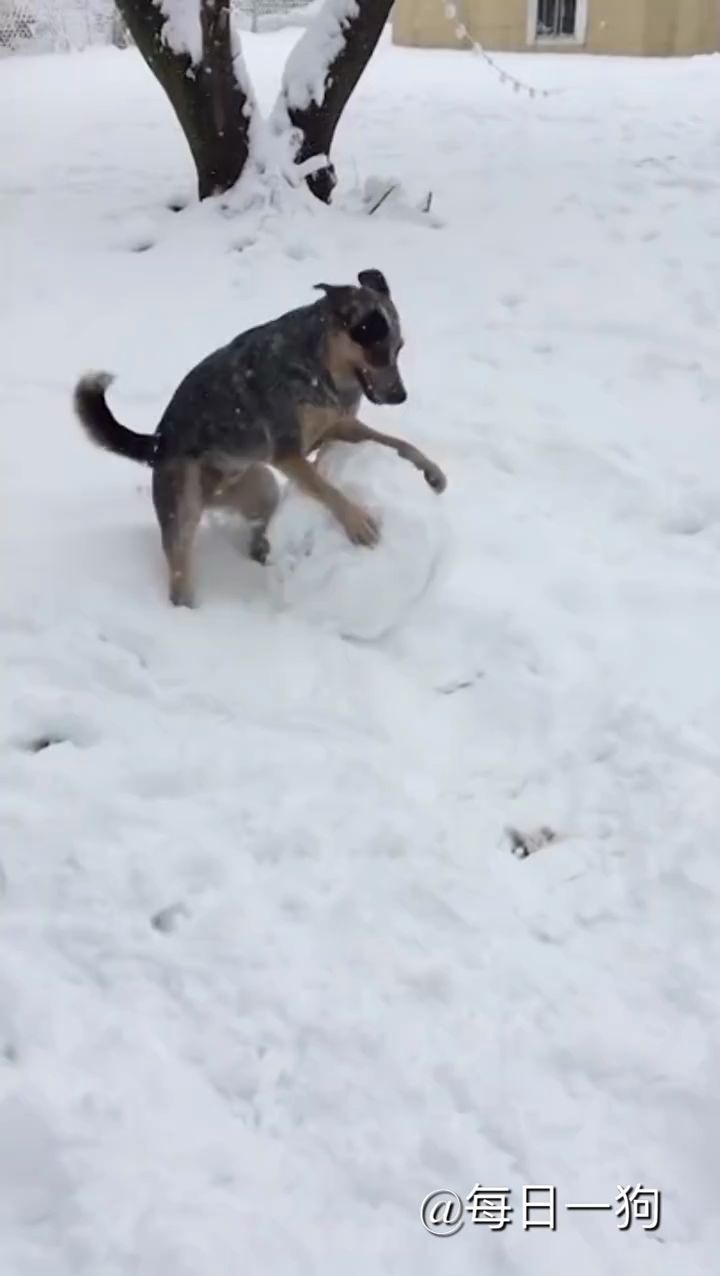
[{"x": 552, "y": 41}]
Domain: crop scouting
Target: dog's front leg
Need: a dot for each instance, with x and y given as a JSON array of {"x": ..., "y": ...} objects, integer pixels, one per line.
[
  {"x": 360, "y": 527},
  {"x": 355, "y": 432}
]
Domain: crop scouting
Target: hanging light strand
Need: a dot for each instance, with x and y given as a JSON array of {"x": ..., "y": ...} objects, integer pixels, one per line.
[{"x": 454, "y": 15}]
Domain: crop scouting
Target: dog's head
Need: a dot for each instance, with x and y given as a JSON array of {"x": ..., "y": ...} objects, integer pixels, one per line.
[{"x": 366, "y": 338}]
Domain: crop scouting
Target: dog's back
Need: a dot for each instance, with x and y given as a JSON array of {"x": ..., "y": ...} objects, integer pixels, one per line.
[{"x": 250, "y": 388}]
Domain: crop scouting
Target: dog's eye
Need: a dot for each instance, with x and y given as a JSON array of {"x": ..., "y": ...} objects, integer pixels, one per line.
[{"x": 372, "y": 328}]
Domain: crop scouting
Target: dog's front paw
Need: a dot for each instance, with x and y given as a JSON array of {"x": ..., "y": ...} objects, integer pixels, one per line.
[
  {"x": 182, "y": 598},
  {"x": 434, "y": 476},
  {"x": 259, "y": 546},
  {"x": 361, "y": 528}
]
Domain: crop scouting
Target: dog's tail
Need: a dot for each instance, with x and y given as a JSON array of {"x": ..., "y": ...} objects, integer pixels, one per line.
[{"x": 101, "y": 426}]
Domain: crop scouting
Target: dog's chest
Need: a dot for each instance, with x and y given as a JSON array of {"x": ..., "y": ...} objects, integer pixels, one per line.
[
  {"x": 316, "y": 422},
  {"x": 318, "y": 418}
]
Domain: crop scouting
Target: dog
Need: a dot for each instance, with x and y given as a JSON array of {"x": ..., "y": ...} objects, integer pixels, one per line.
[{"x": 271, "y": 397}]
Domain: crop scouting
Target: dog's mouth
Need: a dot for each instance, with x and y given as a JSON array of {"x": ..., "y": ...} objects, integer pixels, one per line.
[
  {"x": 367, "y": 386},
  {"x": 388, "y": 391}
]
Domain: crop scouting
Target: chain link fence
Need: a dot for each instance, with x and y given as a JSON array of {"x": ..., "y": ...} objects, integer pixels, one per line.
[
  {"x": 269, "y": 15},
  {"x": 44, "y": 26}
]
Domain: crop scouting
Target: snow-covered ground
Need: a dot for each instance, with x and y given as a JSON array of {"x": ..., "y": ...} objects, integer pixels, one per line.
[{"x": 269, "y": 973}]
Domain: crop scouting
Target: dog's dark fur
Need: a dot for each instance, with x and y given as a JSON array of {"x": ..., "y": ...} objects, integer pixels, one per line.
[{"x": 270, "y": 397}]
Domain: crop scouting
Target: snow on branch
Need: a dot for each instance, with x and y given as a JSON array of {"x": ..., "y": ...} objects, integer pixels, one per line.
[
  {"x": 306, "y": 71},
  {"x": 242, "y": 75},
  {"x": 182, "y": 31},
  {"x": 202, "y": 30}
]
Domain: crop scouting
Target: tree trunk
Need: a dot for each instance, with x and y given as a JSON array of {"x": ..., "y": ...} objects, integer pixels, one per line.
[
  {"x": 316, "y": 121},
  {"x": 212, "y": 106}
]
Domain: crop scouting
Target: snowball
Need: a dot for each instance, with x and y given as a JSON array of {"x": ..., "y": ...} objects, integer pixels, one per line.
[{"x": 358, "y": 592}]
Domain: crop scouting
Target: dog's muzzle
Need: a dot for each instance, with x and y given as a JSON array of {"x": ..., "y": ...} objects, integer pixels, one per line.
[{"x": 382, "y": 391}]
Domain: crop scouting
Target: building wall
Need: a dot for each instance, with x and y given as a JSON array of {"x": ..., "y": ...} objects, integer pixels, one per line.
[
  {"x": 497, "y": 24},
  {"x": 618, "y": 26},
  {"x": 630, "y": 27},
  {"x": 690, "y": 27}
]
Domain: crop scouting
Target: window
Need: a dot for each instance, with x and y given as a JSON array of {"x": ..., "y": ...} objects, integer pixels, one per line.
[{"x": 551, "y": 20}]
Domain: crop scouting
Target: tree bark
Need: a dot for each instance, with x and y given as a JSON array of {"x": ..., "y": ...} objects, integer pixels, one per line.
[
  {"x": 317, "y": 121},
  {"x": 211, "y": 105}
]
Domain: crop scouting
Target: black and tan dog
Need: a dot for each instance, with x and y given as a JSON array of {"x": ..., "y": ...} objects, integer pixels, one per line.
[{"x": 270, "y": 397}]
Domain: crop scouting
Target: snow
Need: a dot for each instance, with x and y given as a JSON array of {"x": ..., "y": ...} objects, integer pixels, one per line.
[
  {"x": 182, "y": 31},
  {"x": 240, "y": 69},
  {"x": 269, "y": 973},
  {"x": 305, "y": 73}
]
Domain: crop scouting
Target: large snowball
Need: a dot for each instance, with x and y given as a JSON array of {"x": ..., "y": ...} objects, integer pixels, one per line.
[{"x": 361, "y": 593}]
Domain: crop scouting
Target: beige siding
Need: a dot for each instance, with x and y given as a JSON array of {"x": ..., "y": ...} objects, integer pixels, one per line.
[
  {"x": 422, "y": 23},
  {"x": 630, "y": 27},
  {"x": 618, "y": 26},
  {"x": 498, "y": 24},
  {"x": 692, "y": 26}
]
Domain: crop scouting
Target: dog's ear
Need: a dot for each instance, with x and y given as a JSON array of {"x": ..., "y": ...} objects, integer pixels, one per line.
[
  {"x": 375, "y": 280},
  {"x": 330, "y": 290},
  {"x": 341, "y": 299}
]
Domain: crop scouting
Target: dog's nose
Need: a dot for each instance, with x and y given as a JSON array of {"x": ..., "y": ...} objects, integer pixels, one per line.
[{"x": 398, "y": 394}]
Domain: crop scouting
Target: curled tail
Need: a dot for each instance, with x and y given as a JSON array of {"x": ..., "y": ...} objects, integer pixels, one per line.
[{"x": 101, "y": 426}]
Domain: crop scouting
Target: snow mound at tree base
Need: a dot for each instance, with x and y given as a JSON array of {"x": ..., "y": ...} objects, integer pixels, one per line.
[{"x": 358, "y": 592}]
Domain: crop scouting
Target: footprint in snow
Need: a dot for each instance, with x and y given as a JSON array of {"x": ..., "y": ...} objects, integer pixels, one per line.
[{"x": 522, "y": 845}]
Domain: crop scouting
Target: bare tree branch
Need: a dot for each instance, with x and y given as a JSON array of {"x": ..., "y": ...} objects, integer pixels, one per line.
[
  {"x": 200, "y": 70},
  {"x": 213, "y": 108},
  {"x": 316, "y": 115}
]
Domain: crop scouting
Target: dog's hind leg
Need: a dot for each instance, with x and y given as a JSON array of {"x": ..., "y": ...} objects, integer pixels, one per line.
[
  {"x": 178, "y": 500},
  {"x": 254, "y": 493}
]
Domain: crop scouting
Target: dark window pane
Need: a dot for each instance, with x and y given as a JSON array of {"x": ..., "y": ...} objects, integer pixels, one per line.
[
  {"x": 556, "y": 17},
  {"x": 567, "y": 17}
]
